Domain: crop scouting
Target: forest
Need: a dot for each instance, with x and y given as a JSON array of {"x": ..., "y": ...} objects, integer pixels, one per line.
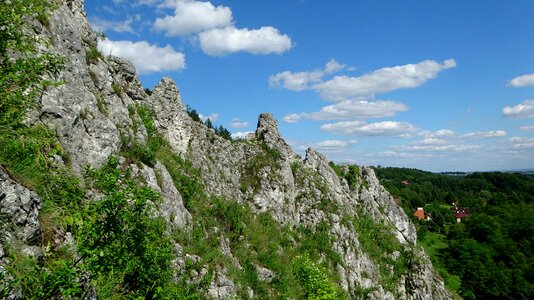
[{"x": 488, "y": 254}]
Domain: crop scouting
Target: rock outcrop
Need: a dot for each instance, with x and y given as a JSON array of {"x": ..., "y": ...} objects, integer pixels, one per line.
[
  {"x": 19, "y": 212},
  {"x": 92, "y": 114}
]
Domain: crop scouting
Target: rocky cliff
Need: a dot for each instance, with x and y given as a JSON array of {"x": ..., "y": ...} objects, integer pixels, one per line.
[{"x": 368, "y": 244}]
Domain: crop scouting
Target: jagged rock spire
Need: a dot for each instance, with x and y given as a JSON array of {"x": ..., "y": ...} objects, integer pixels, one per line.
[
  {"x": 268, "y": 132},
  {"x": 168, "y": 95}
]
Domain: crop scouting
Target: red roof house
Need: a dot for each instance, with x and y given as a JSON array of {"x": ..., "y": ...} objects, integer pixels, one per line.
[
  {"x": 460, "y": 213},
  {"x": 421, "y": 214}
]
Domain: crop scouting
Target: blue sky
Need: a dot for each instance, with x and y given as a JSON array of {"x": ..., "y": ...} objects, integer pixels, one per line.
[{"x": 435, "y": 85}]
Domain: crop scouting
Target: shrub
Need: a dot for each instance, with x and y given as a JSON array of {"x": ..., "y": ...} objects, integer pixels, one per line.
[
  {"x": 120, "y": 237},
  {"x": 92, "y": 55},
  {"x": 314, "y": 280},
  {"x": 116, "y": 89}
]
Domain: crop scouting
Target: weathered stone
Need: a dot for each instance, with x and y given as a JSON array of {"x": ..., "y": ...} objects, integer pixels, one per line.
[
  {"x": 19, "y": 209},
  {"x": 268, "y": 132},
  {"x": 221, "y": 286},
  {"x": 264, "y": 274}
]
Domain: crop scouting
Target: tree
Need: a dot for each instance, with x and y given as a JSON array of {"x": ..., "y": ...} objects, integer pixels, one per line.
[{"x": 208, "y": 123}]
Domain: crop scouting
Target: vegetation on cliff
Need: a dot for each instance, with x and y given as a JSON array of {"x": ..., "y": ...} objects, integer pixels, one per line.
[{"x": 489, "y": 254}]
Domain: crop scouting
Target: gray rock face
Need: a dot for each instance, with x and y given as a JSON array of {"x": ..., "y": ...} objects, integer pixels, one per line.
[
  {"x": 19, "y": 211},
  {"x": 221, "y": 286},
  {"x": 423, "y": 281},
  {"x": 379, "y": 203},
  {"x": 172, "y": 208},
  {"x": 268, "y": 132}
]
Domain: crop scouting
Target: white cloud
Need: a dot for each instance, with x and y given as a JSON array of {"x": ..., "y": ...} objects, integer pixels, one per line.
[
  {"x": 452, "y": 147},
  {"x": 242, "y": 135},
  {"x": 438, "y": 133},
  {"x": 292, "y": 118},
  {"x": 332, "y": 145},
  {"x": 485, "y": 134},
  {"x": 295, "y": 81},
  {"x": 328, "y": 146},
  {"x": 349, "y": 109},
  {"x": 386, "y": 128},
  {"x": 300, "y": 80},
  {"x": 520, "y": 111},
  {"x": 213, "y": 27},
  {"x": 432, "y": 141},
  {"x": 147, "y": 58},
  {"x": 381, "y": 81},
  {"x": 213, "y": 117},
  {"x": 333, "y": 66},
  {"x": 522, "y": 81},
  {"x": 527, "y": 128},
  {"x": 191, "y": 17},
  {"x": 522, "y": 143},
  {"x": 222, "y": 41},
  {"x": 103, "y": 25},
  {"x": 237, "y": 123}
]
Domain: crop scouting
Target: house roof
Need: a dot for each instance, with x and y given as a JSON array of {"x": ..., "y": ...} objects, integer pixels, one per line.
[
  {"x": 461, "y": 212},
  {"x": 421, "y": 214}
]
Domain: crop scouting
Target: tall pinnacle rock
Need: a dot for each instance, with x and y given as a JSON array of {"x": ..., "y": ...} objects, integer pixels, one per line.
[
  {"x": 268, "y": 132},
  {"x": 167, "y": 95}
]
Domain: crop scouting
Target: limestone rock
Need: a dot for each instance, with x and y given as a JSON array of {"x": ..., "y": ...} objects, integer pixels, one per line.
[
  {"x": 268, "y": 132},
  {"x": 19, "y": 209},
  {"x": 221, "y": 286}
]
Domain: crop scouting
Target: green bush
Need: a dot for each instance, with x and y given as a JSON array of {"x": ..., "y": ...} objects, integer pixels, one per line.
[
  {"x": 121, "y": 237},
  {"x": 379, "y": 243},
  {"x": 117, "y": 89},
  {"x": 92, "y": 55},
  {"x": 52, "y": 279},
  {"x": 314, "y": 280}
]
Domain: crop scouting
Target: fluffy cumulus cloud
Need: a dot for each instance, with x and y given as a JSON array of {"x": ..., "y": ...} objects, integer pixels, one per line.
[
  {"x": 333, "y": 145},
  {"x": 213, "y": 117},
  {"x": 521, "y": 111},
  {"x": 385, "y": 128},
  {"x": 222, "y": 41},
  {"x": 327, "y": 146},
  {"x": 441, "y": 148},
  {"x": 191, "y": 17},
  {"x": 528, "y": 128},
  {"x": 438, "y": 133},
  {"x": 213, "y": 26},
  {"x": 522, "y": 81},
  {"x": 353, "y": 95},
  {"x": 237, "y": 123},
  {"x": 147, "y": 58},
  {"x": 485, "y": 134},
  {"x": 381, "y": 81},
  {"x": 242, "y": 135},
  {"x": 299, "y": 81},
  {"x": 349, "y": 109},
  {"x": 103, "y": 25},
  {"x": 522, "y": 142}
]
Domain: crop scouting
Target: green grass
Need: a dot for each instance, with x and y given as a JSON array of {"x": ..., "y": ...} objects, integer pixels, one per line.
[
  {"x": 433, "y": 243},
  {"x": 92, "y": 55},
  {"x": 379, "y": 243},
  {"x": 250, "y": 175},
  {"x": 117, "y": 89}
]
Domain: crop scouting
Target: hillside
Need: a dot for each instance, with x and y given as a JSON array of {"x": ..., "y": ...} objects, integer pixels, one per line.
[
  {"x": 488, "y": 255},
  {"x": 107, "y": 192}
]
